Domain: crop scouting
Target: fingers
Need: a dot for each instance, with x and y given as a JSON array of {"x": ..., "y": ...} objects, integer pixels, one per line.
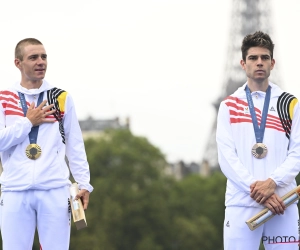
[
  {"x": 272, "y": 209},
  {"x": 43, "y": 103},
  {"x": 261, "y": 200},
  {"x": 262, "y": 189},
  {"x": 253, "y": 195},
  {"x": 84, "y": 195},
  {"x": 252, "y": 186},
  {"x": 80, "y": 194},
  {"x": 46, "y": 108},
  {"x": 32, "y": 105},
  {"x": 49, "y": 112},
  {"x": 275, "y": 204},
  {"x": 39, "y": 115},
  {"x": 275, "y": 208},
  {"x": 85, "y": 202},
  {"x": 281, "y": 204}
]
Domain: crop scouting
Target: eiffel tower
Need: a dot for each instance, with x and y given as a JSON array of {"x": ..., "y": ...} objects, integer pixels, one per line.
[{"x": 247, "y": 17}]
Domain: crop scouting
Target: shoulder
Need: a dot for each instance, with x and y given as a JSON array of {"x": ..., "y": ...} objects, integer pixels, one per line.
[
  {"x": 55, "y": 92},
  {"x": 57, "y": 97},
  {"x": 287, "y": 97},
  {"x": 286, "y": 104},
  {"x": 281, "y": 94}
]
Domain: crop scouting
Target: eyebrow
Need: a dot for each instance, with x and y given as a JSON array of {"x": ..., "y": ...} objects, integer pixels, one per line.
[
  {"x": 260, "y": 55},
  {"x": 35, "y": 55}
]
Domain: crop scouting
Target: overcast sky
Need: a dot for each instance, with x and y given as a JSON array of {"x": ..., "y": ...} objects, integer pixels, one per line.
[{"x": 158, "y": 62}]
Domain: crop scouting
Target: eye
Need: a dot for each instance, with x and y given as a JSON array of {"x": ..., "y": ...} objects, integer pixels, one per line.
[
  {"x": 265, "y": 57},
  {"x": 44, "y": 57},
  {"x": 252, "y": 57},
  {"x": 33, "y": 57}
]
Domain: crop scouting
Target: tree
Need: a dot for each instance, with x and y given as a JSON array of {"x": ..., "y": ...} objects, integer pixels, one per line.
[
  {"x": 129, "y": 206},
  {"x": 198, "y": 210},
  {"x": 135, "y": 206}
]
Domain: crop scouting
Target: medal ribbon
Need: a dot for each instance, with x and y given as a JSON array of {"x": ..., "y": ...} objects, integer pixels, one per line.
[
  {"x": 34, "y": 130},
  {"x": 259, "y": 130}
]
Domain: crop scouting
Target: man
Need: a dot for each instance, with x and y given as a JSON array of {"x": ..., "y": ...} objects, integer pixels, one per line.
[
  {"x": 38, "y": 128},
  {"x": 258, "y": 139}
]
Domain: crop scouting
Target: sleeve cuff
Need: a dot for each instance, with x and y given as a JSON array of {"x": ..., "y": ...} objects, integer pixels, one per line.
[{"x": 88, "y": 187}]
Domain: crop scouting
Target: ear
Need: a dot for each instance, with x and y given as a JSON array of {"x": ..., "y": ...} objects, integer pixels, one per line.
[
  {"x": 18, "y": 63},
  {"x": 272, "y": 63},
  {"x": 242, "y": 62}
]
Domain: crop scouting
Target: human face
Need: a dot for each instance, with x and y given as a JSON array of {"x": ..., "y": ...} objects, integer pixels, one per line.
[
  {"x": 34, "y": 64},
  {"x": 258, "y": 64}
]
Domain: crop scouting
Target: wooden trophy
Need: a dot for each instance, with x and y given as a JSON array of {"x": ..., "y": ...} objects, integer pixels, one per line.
[
  {"x": 77, "y": 208},
  {"x": 266, "y": 214}
]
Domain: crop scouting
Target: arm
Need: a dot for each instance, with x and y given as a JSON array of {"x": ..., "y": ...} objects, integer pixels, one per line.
[
  {"x": 75, "y": 152},
  {"x": 14, "y": 134},
  {"x": 289, "y": 169},
  {"x": 229, "y": 162}
]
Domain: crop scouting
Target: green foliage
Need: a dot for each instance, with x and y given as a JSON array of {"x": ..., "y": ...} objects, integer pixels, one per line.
[
  {"x": 135, "y": 206},
  {"x": 198, "y": 202},
  {"x": 131, "y": 195}
]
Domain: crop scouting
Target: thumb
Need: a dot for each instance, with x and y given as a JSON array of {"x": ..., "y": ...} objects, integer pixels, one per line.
[{"x": 79, "y": 195}]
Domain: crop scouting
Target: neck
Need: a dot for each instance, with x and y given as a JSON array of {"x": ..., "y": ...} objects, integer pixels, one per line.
[
  {"x": 31, "y": 84},
  {"x": 258, "y": 86}
]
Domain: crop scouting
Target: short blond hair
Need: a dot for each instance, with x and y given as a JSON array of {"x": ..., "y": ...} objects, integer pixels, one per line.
[{"x": 20, "y": 46}]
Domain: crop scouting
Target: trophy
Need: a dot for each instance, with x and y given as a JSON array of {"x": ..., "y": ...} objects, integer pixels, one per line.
[
  {"x": 77, "y": 208},
  {"x": 266, "y": 214}
]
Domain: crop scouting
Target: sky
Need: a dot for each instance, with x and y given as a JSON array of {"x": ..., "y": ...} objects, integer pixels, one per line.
[{"x": 158, "y": 62}]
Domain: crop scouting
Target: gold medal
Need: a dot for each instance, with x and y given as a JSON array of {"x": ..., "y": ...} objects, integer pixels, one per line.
[
  {"x": 33, "y": 151},
  {"x": 259, "y": 150}
]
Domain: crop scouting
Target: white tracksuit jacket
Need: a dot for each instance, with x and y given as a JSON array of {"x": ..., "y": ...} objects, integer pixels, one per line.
[
  {"x": 235, "y": 139},
  {"x": 50, "y": 169}
]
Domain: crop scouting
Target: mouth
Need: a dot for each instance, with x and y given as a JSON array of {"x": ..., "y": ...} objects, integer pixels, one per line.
[{"x": 40, "y": 70}]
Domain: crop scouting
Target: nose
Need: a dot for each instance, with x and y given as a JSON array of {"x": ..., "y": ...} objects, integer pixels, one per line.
[
  {"x": 40, "y": 60},
  {"x": 259, "y": 62}
]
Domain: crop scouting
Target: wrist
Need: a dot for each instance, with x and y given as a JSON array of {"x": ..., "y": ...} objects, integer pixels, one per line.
[{"x": 272, "y": 183}]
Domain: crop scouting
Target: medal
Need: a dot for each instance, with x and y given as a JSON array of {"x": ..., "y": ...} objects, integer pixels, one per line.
[
  {"x": 33, "y": 151},
  {"x": 259, "y": 150}
]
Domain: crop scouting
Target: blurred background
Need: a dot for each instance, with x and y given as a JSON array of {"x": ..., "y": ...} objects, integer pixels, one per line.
[{"x": 149, "y": 75}]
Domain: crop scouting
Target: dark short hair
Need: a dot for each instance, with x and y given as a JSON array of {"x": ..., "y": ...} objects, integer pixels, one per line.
[
  {"x": 257, "y": 39},
  {"x": 20, "y": 46}
]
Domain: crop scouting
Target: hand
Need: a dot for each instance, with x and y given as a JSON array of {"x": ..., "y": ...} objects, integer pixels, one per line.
[
  {"x": 275, "y": 204},
  {"x": 260, "y": 191},
  {"x": 84, "y": 195},
  {"x": 38, "y": 115}
]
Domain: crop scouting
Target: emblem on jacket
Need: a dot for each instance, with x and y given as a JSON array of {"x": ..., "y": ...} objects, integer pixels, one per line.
[{"x": 246, "y": 110}]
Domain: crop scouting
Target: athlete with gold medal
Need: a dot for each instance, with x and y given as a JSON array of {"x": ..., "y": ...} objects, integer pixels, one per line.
[{"x": 38, "y": 130}]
